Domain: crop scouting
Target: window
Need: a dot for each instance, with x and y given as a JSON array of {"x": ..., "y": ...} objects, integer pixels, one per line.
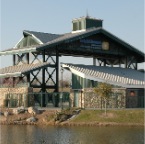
[
  {"x": 80, "y": 25},
  {"x": 75, "y": 27}
]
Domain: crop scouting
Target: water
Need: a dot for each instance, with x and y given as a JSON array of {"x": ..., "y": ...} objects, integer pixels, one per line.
[{"x": 71, "y": 135}]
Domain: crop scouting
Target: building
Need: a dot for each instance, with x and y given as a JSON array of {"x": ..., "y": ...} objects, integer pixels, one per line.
[{"x": 36, "y": 59}]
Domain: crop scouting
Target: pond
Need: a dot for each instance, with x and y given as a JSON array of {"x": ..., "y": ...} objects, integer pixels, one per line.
[{"x": 28, "y": 134}]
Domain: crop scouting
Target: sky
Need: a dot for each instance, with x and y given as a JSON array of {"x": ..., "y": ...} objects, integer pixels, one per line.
[{"x": 123, "y": 18}]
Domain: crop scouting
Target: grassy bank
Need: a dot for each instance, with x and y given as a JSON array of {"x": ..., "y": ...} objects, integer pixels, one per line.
[
  {"x": 134, "y": 117},
  {"x": 113, "y": 116}
]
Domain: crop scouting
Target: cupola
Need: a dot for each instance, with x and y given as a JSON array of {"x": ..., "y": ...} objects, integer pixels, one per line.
[{"x": 83, "y": 23}]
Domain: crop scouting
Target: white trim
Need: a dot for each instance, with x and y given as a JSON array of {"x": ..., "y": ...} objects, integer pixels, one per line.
[
  {"x": 39, "y": 41},
  {"x": 11, "y": 74},
  {"x": 18, "y": 42},
  {"x": 78, "y": 31},
  {"x": 18, "y": 51}
]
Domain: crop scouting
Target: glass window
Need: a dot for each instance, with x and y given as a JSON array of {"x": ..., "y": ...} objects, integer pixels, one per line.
[
  {"x": 75, "y": 26},
  {"x": 83, "y": 24}
]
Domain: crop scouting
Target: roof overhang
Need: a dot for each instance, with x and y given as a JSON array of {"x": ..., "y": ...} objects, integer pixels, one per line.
[
  {"x": 102, "y": 76},
  {"x": 15, "y": 74},
  {"x": 70, "y": 37},
  {"x": 18, "y": 51},
  {"x": 20, "y": 70}
]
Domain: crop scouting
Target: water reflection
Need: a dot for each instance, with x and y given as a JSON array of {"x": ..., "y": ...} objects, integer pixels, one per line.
[{"x": 71, "y": 135}]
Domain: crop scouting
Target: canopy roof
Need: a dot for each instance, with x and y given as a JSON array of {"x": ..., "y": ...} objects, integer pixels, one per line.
[
  {"x": 40, "y": 37},
  {"x": 123, "y": 77},
  {"x": 19, "y": 70},
  {"x": 71, "y": 37},
  {"x": 50, "y": 41}
]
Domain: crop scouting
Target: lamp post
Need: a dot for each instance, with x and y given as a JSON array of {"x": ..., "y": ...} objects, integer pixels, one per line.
[{"x": 61, "y": 96}]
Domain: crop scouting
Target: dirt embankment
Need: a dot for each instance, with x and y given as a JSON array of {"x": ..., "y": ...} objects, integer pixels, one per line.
[
  {"x": 50, "y": 117},
  {"x": 21, "y": 118}
]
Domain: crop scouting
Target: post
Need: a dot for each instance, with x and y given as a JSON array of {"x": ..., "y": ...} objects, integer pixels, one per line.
[
  {"x": 62, "y": 70},
  {"x": 94, "y": 61},
  {"x": 136, "y": 65},
  {"x": 126, "y": 62},
  {"x": 43, "y": 82},
  {"x": 24, "y": 100},
  {"x": 57, "y": 71},
  {"x": 61, "y": 97},
  {"x": 42, "y": 99}
]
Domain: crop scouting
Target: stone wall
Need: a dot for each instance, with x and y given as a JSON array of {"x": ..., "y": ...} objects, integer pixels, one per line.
[
  {"x": 86, "y": 98},
  {"x": 117, "y": 100},
  {"x": 14, "y": 93}
]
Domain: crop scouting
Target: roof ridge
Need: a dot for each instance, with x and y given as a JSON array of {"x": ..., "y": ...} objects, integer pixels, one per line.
[{"x": 40, "y": 32}]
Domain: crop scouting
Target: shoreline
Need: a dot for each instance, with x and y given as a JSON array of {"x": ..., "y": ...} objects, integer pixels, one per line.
[
  {"x": 97, "y": 124},
  {"x": 81, "y": 118}
]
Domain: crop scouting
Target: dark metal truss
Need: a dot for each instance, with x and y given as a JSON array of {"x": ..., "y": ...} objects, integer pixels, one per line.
[
  {"x": 128, "y": 62},
  {"x": 41, "y": 77},
  {"x": 35, "y": 58}
]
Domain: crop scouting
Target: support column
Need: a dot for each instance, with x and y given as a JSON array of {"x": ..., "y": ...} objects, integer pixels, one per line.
[
  {"x": 104, "y": 62},
  {"x": 27, "y": 58},
  {"x": 14, "y": 59},
  {"x": 14, "y": 63},
  {"x": 43, "y": 81},
  {"x": 126, "y": 62},
  {"x": 57, "y": 71},
  {"x": 28, "y": 75},
  {"x": 120, "y": 62},
  {"x": 94, "y": 64},
  {"x": 136, "y": 65},
  {"x": 94, "y": 61}
]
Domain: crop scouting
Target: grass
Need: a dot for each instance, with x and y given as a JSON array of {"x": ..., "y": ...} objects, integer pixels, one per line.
[{"x": 116, "y": 116}]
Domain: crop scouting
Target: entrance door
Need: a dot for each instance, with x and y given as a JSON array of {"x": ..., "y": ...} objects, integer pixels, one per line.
[
  {"x": 135, "y": 98},
  {"x": 131, "y": 102}
]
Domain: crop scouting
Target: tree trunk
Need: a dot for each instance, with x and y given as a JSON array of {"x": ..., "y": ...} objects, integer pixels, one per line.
[
  {"x": 105, "y": 107},
  {"x": 101, "y": 103}
]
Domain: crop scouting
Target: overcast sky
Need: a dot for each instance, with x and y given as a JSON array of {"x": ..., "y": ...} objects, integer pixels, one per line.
[{"x": 123, "y": 18}]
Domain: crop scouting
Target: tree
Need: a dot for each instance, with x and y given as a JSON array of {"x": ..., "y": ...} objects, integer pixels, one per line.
[
  {"x": 64, "y": 83},
  {"x": 104, "y": 90}
]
